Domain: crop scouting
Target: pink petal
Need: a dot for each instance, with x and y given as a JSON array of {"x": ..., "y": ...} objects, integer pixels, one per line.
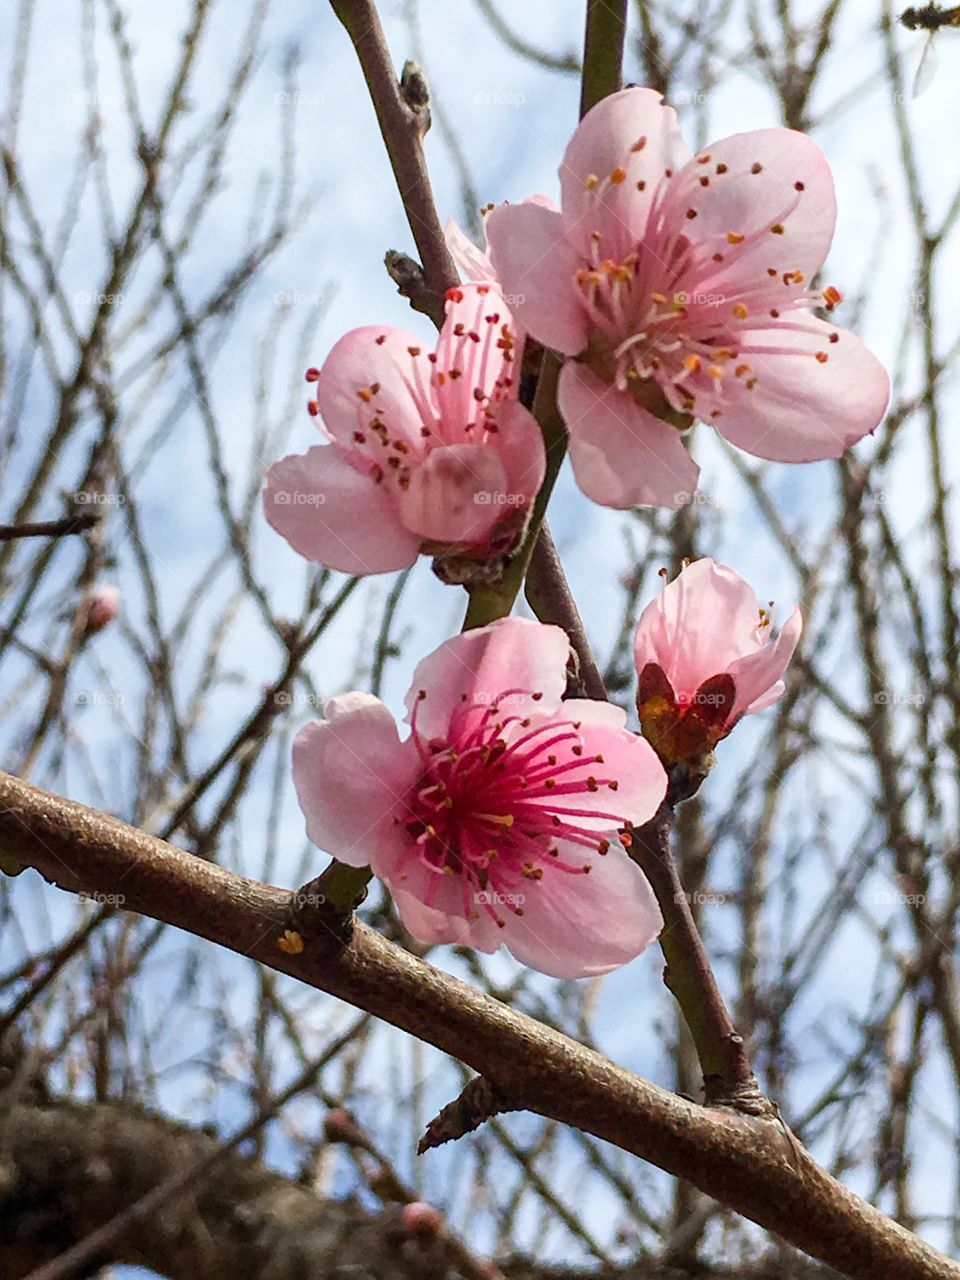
[
  {"x": 758, "y": 677},
  {"x": 802, "y": 410},
  {"x": 753, "y": 179},
  {"x": 641, "y": 781},
  {"x": 352, "y": 774},
  {"x": 332, "y": 513},
  {"x": 701, "y": 622},
  {"x": 456, "y": 495},
  {"x": 481, "y": 665},
  {"x": 606, "y": 140},
  {"x": 622, "y": 456},
  {"x": 520, "y": 445},
  {"x": 444, "y": 921},
  {"x": 536, "y": 269},
  {"x": 576, "y": 926},
  {"x": 472, "y": 262},
  {"x": 359, "y": 362},
  {"x": 469, "y": 346}
]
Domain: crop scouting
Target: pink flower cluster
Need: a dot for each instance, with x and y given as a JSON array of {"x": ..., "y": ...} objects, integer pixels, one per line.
[
  {"x": 676, "y": 287},
  {"x": 498, "y": 819}
]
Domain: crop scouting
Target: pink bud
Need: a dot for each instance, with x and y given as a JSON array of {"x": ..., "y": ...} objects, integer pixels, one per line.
[
  {"x": 338, "y": 1126},
  {"x": 421, "y": 1219},
  {"x": 104, "y": 607}
]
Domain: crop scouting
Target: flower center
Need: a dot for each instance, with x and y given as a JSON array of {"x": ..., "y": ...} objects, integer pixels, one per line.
[
  {"x": 495, "y": 798},
  {"x": 677, "y": 316}
]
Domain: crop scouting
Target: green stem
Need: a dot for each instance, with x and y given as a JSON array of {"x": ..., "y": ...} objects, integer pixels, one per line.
[
  {"x": 487, "y": 603},
  {"x": 602, "y": 51}
]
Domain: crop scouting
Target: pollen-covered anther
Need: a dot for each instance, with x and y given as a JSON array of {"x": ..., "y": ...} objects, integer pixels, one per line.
[
  {"x": 312, "y": 375},
  {"x": 312, "y": 408},
  {"x": 734, "y": 237},
  {"x": 821, "y": 357},
  {"x": 740, "y": 310},
  {"x": 618, "y": 175}
]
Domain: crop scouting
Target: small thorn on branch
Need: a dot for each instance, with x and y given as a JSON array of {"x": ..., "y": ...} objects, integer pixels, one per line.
[{"x": 478, "y": 1102}]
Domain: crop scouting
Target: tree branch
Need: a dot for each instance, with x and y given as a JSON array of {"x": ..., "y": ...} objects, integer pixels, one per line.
[{"x": 742, "y": 1161}]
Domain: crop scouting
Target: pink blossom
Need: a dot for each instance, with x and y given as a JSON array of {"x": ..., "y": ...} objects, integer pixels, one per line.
[
  {"x": 496, "y": 820},
  {"x": 681, "y": 284},
  {"x": 103, "y": 608},
  {"x": 705, "y": 658},
  {"x": 422, "y": 1219},
  {"x": 429, "y": 451}
]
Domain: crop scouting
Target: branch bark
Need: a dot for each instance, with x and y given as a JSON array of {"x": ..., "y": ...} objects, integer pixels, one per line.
[{"x": 744, "y": 1162}]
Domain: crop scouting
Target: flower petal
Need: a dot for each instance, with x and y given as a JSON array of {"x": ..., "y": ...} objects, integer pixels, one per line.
[
  {"x": 536, "y": 268},
  {"x": 369, "y": 376},
  {"x": 803, "y": 409},
  {"x": 443, "y": 921},
  {"x": 700, "y": 623},
  {"x": 768, "y": 178},
  {"x": 472, "y": 262},
  {"x": 622, "y": 456},
  {"x": 758, "y": 677},
  {"x": 331, "y": 512},
  {"x": 627, "y": 759},
  {"x": 480, "y": 666},
  {"x": 456, "y": 495},
  {"x": 631, "y": 132},
  {"x": 575, "y": 925},
  {"x": 520, "y": 445},
  {"x": 352, "y": 775}
]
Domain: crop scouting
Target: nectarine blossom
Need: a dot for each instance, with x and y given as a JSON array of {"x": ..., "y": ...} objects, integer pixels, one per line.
[
  {"x": 679, "y": 285},
  {"x": 429, "y": 451},
  {"x": 705, "y": 657},
  {"x": 497, "y": 819}
]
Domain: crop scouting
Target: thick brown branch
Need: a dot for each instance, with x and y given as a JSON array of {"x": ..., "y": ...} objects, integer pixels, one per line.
[{"x": 742, "y": 1161}]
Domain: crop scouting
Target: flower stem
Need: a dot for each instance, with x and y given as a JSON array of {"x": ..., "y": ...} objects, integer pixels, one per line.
[
  {"x": 602, "y": 51},
  {"x": 728, "y": 1078}
]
